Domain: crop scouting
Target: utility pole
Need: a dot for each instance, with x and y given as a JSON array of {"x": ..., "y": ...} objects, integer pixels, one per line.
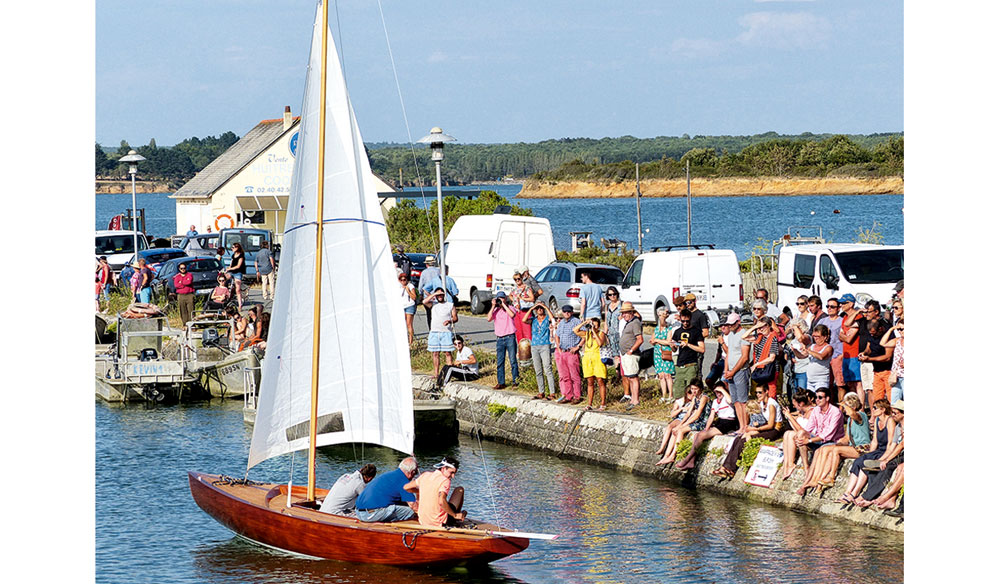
[
  {"x": 638, "y": 212},
  {"x": 687, "y": 171}
]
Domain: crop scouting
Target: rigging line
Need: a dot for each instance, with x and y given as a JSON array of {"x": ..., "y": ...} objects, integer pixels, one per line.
[
  {"x": 409, "y": 136},
  {"x": 482, "y": 454}
]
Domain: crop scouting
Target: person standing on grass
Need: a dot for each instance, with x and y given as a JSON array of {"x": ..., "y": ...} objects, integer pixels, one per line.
[
  {"x": 663, "y": 356},
  {"x": 145, "y": 291},
  {"x": 593, "y": 369},
  {"x": 833, "y": 321},
  {"x": 542, "y": 322},
  {"x": 568, "y": 356},
  {"x": 263, "y": 262},
  {"x": 630, "y": 342},
  {"x": 591, "y": 298},
  {"x": 423, "y": 284},
  {"x": 849, "y": 329},
  {"x": 443, "y": 318},
  {"x": 502, "y": 317},
  {"x": 523, "y": 299},
  {"x": 185, "y": 293},
  {"x": 736, "y": 373},
  {"x": 688, "y": 342}
]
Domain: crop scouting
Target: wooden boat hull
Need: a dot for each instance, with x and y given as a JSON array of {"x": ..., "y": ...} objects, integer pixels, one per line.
[{"x": 259, "y": 513}]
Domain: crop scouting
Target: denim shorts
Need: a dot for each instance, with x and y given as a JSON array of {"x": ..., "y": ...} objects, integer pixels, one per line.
[
  {"x": 386, "y": 514},
  {"x": 237, "y": 276},
  {"x": 411, "y": 309}
]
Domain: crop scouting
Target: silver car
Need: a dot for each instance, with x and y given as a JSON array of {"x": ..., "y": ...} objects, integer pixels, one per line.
[{"x": 561, "y": 282}]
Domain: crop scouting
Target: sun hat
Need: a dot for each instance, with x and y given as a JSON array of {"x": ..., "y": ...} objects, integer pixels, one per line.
[
  {"x": 898, "y": 405},
  {"x": 430, "y": 260},
  {"x": 627, "y": 307}
]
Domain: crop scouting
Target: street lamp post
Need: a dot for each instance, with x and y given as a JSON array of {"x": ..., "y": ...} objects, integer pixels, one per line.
[
  {"x": 436, "y": 139},
  {"x": 133, "y": 161}
]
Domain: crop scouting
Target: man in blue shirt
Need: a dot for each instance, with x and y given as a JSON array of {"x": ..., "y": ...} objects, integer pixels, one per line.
[
  {"x": 435, "y": 283},
  {"x": 591, "y": 298},
  {"x": 385, "y": 500},
  {"x": 191, "y": 231}
]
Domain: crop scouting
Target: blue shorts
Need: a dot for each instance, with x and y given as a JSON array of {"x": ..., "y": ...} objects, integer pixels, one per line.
[
  {"x": 852, "y": 369},
  {"x": 411, "y": 309},
  {"x": 145, "y": 294},
  {"x": 237, "y": 276},
  {"x": 801, "y": 381},
  {"x": 438, "y": 342}
]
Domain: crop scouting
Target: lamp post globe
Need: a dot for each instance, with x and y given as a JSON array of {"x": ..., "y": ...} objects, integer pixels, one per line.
[
  {"x": 133, "y": 159},
  {"x": 436, "y": 139}
]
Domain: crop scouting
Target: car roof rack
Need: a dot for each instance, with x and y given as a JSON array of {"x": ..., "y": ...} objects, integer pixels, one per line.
[{"x": 692, "y": 246}]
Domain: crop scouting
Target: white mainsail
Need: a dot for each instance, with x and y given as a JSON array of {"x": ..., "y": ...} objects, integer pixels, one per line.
[{"x": 365, "y": 390}]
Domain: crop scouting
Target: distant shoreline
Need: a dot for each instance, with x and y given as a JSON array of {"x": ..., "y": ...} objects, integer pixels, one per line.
[
  {"x": 118, "y": 187},
  {"x": 717, "y": 187}
]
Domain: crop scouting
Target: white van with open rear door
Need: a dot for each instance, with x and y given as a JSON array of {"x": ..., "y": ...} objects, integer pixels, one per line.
[
  {"x": 657, "y": 277},
  {"x": 483, "y": 251},
  {"x": 828, "y": 270}
]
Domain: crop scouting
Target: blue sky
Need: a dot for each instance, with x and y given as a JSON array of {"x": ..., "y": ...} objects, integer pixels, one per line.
[{"x": 506, "y": 71}]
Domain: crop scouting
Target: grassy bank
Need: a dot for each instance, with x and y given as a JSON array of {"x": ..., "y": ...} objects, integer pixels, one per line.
[{"x": 713, "y": 187}]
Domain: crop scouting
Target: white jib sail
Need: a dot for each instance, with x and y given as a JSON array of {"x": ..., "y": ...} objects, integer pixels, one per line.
[{"x": 365, "y": 386}]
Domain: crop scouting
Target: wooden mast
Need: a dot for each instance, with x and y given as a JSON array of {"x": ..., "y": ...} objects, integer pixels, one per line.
[{"x": 314, "y": 394}]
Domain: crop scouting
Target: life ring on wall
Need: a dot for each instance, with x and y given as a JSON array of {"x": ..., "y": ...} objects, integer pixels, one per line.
[{"x": 227, "y": 218}]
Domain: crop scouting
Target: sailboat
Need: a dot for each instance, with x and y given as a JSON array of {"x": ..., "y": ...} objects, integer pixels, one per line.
[{"x": 337, "y": 365}]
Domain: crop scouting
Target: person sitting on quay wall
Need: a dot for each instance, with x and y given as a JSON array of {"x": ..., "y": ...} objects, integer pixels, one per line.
[
  {"x": 885, "y": 468},
  {"x": 892, "y": 456},
  {"x": 804, "y": 401},
  {"x": 502, "y": 316},
  {"x": 767, "y": 424},
  {"x": 722, "y": 420},
  {"x": 385, "y": 500},
  {"x": 434, "y": 507},
  {"x": 344, "y": 493},
  {"x": 465, "y": 367},
  {"x": 825, "y": 425},
  {"x": 826, "y": 460},
  {"x": 883, "y": 428},
  {"x": 678, "y": 413},
  {"x": 694, "y": 422},
  {"x": 542, "y": 327}
]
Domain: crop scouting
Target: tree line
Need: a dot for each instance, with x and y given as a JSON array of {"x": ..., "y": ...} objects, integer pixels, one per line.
[
  {"x": 176, "y": 163},
  {"x": 834, "y": 156},
  {"x": 768, "y": 154}
]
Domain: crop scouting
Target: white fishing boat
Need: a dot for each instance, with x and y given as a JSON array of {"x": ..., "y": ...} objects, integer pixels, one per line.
[
  {"x": 145, "y": 363},
  {"x": 337, "y": 366},
  {"x": 220, "y": 370}
]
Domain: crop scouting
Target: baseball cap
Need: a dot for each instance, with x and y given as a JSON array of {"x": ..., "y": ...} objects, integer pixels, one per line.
[
  {"x": 522, "y": 269},
  {"x": 501, "y": 294},
  {"x": 690, "y": 297},
  {"x": 732, "y": 319},
  {"x": 567, "y": 308},
  {"x": 847, "y": 298}
]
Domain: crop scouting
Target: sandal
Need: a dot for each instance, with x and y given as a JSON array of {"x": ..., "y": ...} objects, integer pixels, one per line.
[
  {"x": 588, "y": 409},
  {"x": 539, "y": 396},
  {"x": 602, "y": 408}
]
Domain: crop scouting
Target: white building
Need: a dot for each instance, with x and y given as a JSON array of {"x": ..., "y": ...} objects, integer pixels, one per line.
[{"x": 249, "y": 183}]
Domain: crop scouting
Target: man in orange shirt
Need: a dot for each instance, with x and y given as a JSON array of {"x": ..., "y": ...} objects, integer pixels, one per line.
[{"x": 434, "y": 507}]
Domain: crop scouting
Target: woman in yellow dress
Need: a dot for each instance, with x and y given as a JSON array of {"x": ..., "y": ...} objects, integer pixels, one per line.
[{"x": 593, "y": 368}]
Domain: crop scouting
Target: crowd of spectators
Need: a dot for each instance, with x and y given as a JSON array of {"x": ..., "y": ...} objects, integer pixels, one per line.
[{"x": 824, "y": 381}]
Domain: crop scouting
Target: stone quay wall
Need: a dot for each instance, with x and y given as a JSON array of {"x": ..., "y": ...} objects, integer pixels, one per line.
[{"x": 628, "y": 443}]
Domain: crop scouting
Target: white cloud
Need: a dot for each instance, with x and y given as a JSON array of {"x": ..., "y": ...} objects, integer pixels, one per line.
[{"x": 784, "y": 30}]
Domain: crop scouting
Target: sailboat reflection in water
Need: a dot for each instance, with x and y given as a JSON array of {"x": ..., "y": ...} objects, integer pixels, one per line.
[{"x": 338, "y": 283}]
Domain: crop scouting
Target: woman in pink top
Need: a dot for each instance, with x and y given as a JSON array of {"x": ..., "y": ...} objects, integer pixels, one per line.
[{"x": 434, "y": 507}]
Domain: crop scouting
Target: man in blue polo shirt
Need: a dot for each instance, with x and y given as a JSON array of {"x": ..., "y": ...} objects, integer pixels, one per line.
[{"x": 385, "y": 500}]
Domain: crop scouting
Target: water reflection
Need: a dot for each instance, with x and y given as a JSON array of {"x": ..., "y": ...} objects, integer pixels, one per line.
[{"x": 612, "y": 526}]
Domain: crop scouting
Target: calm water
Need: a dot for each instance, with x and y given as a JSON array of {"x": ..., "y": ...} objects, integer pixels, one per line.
[
  {"x": 613, "y": 527},
  {"x": 729, "y": 222}
]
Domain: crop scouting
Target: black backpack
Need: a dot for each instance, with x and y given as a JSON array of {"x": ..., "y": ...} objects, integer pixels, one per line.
[{"x": 403, "y": 263}]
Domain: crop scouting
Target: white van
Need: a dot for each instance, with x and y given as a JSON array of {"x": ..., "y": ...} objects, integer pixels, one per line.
[
  {"x": 657, "y": 277},
  {"x": 482, "y": 252},
  {"x": 833, "y": 269},
  {"x": 118, "y": 246}
]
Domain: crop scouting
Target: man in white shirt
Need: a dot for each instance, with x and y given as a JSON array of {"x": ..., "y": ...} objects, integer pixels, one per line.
[{"x": 340, "y": 500}]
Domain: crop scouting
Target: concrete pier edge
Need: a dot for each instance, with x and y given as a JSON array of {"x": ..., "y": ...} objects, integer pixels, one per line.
[{"x": 628, "y": 443}]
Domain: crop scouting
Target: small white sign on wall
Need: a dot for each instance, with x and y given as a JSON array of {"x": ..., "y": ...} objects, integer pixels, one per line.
[{"x": 764, "y": 467}]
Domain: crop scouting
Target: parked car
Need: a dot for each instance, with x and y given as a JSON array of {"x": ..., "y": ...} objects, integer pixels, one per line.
[
  {"x": 561, "y": 282},
  {"x": 834, "y": 269},
  {"x": 118, "y": 246},
  {"x": 203, "y": 244},
  {"x": 154, "y": 259},
  {"x": 483, "y": 251},
  {"x": 204, "y": 272},
  {"x": 417, "y": 264},
  {"x": 655, "y": 278}
]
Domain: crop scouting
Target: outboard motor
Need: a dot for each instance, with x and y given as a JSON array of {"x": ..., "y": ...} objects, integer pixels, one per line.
[{"x": 148, "y": 354}]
